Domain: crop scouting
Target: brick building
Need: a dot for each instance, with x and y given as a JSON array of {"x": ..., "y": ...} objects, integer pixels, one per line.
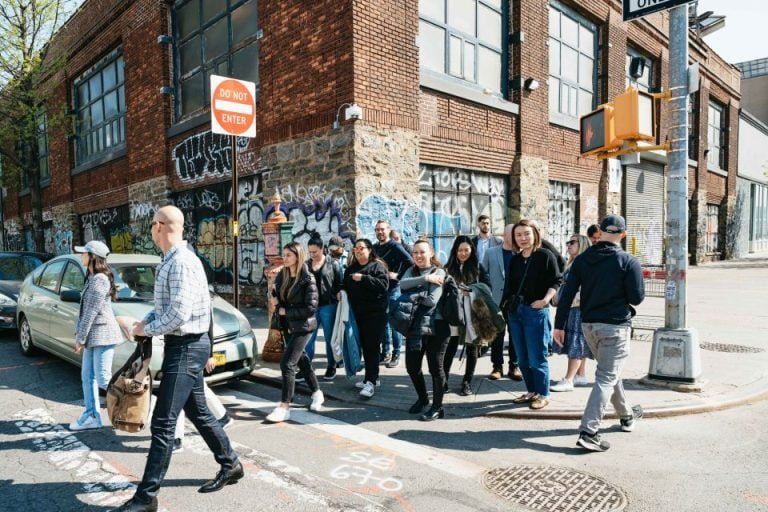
[{"x": 468, "y": 107}]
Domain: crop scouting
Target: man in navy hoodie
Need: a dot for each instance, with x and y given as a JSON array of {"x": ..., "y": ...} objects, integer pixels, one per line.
[{"x": 611, "y": 282}]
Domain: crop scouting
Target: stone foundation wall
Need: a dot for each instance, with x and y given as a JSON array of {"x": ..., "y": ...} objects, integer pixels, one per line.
[{"x": 529, "y": 190}]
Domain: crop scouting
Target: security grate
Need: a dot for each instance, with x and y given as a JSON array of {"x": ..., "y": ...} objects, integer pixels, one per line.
[
  {"x": 724, "y": 347},
  {"x": 554, "y": 488}
]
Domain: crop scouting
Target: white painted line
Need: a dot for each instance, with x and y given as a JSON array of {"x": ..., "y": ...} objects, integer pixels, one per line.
[
  {"x": 231, "y": 106},
  {"x": 413, "y": 452}
]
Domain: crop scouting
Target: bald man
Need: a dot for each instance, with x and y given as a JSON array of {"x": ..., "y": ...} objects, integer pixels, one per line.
[{"x": 182, "y": 314}]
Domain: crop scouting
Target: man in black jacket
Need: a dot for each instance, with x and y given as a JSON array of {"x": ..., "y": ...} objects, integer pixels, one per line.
[
  {"x": 611, "y": 282},
  {"x": 398, "y": 261}
]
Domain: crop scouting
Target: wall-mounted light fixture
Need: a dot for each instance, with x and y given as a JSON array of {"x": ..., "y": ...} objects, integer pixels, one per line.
[
  {"x": 167, "y": 89},
  {"x": 352, "y": 112},
  {"x": 529, "y": 84},
  {"x": 164, "y": 39},
  {"x": 636, "y": 67}
]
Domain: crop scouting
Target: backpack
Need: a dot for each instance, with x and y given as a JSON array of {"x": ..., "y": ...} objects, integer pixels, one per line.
[
  {"x": 130, "y": 390},
  {"x": 449, "y": 304}
]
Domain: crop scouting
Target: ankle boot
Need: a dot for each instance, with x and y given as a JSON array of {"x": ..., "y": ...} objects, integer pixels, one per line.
[
  {"x": 419, "y": 405},
  {"x": 432, "y": 414}
]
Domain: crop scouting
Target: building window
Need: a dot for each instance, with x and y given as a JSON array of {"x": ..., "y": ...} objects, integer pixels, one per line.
[
  {"x": 99, "y": 95},
  {"x": 464, "y": 39},
  {"x": 644, "y": 82},
  {"x": 213, "y": 37},
  {"x": 42, "y": 147},
  {"x": 451, "y": 200},
  {"x": 715, "y": 134},
  {"x": 693, "y": 126},
  {"x": 712, "y": 220},
  {"x": 572, "y": 70},
  {"x": 563, "y": 218}
]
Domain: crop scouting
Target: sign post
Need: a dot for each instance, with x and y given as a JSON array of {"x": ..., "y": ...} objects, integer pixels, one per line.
[
  {"x": 233, "y": 113},
  {"x": 638, "y": 8}
]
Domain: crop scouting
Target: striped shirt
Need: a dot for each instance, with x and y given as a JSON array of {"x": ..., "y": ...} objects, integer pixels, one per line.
[{"x": 182, "y": 300}]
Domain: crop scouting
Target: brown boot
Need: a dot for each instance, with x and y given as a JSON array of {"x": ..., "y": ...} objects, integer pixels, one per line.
[
  {"x": 515, "y": 373},
  {"x": 496, "y": 373}
]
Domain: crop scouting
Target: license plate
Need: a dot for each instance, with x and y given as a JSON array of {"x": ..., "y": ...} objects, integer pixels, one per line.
[{"x": 220, "y": 358}]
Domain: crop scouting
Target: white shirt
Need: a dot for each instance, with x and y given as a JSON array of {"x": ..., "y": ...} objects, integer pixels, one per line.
[{"x": 482, "y": 245}]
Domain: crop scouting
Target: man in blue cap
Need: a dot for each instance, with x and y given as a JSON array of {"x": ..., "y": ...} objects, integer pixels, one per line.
[{"x": 611, "y": 282}]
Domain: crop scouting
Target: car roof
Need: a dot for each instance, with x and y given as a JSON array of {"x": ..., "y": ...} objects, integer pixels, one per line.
[{"x": 141, "y": 259}]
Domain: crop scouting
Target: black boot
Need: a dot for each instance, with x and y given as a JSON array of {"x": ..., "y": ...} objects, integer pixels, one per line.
[
  {"x": 419, "y": 405},
  {"x": 136, "y": 506},
  {"x": 432, "y": 414},
  {"x": 223, "y": 477}
]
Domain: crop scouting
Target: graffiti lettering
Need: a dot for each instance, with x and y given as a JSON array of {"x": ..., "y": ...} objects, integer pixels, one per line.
[{"x": 208, "y": 154}]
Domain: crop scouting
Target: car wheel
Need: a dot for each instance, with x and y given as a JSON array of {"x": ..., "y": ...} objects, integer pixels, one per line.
[{"x": 25, "y": 338}]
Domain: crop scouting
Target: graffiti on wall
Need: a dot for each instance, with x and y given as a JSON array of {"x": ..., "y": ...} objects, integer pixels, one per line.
[
  {"x": 109, "y": 225},
  {"x": 142, "y": 207},
  {"x": 208, "y": 155}
]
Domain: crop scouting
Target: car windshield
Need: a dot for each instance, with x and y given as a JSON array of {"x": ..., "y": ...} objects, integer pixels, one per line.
[
  {"x": 14, "y": 267},
  {"x": 134, "y": 282}
]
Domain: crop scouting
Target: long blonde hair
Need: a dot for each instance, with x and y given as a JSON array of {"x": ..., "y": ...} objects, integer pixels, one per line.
[
  {"x": 584, "y": 243},
  {"x": 288, "y": 281}
]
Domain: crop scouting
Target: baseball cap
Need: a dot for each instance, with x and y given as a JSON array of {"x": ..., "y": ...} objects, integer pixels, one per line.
[
  {"x": 613, "y": 224},
  {"x": 94, "y": 247},
  {"x": 335, "y": 241}
]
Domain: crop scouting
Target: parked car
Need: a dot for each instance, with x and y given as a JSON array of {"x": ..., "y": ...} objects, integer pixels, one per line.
[
  {"x": 48, "y": 308},
  {"x": 14, "y": 267}
]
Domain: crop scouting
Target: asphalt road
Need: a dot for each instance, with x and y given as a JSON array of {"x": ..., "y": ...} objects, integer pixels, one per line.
[{"x": 360, "y": 457}]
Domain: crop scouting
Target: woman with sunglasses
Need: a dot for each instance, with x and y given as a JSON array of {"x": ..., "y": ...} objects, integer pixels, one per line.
[
  {"x": 366, "y": 282},
  {"x": 575, "y": 345},
  {"x": 465, "y": 268},
  {"x": 295, "y": 299}
]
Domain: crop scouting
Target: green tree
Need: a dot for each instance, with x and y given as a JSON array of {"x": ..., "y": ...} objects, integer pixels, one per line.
[{"x": 26, "y": 61}]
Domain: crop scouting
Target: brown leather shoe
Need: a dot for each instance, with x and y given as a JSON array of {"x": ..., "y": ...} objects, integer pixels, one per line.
[
  {"x": 515, "y": 373},
  {"x": 539, "y": 403},
  {"x": 495, "y": 374},
  {"x": 526, "y": 398}
]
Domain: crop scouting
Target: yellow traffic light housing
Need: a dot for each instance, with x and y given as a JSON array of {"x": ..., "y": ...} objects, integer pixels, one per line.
[
  {"x": 597, "y": 132},
  {"x": 634, "y": 118}
]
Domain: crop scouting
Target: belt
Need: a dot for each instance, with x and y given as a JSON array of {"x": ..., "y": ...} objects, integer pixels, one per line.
[{"x": 183, "y": 337}]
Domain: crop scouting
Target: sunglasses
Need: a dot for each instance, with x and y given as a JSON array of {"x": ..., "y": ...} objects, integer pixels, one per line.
[{"x": 571, "y": 242}]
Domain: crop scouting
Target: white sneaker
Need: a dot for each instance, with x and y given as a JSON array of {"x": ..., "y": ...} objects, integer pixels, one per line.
[
  {"x": 580, "y": 380},
  {"x": 279, "y": 415},
  {"x": 563, "y": 385},
  {"x": 89, "y": 423},
  {"x": 368, "y": 390},
  {"x": 361, "y": 384},
  {"x": 317, "y": 401}
]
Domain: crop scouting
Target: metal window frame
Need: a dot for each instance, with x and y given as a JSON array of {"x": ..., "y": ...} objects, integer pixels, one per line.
[
  {"x": 42, "y": 140},
  {"x": 503, "y": 50},
  {"x": 577, "y": 209},
  {"x": 719, "y": 142},
  {"x": 206, "y": 66},
  {"x": 650, "y": 62},
  {"x": 712, "y": 238}
]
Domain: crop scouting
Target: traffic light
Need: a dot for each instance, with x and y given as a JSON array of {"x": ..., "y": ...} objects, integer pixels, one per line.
[
  {"x": 633, "y": 116},
  {"x": 598, "y": 131}
]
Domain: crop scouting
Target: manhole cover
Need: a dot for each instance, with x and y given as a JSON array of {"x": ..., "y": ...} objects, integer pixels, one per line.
[
  {"x": 724, "y": 347},
  {"x": 554, "y": 489}
]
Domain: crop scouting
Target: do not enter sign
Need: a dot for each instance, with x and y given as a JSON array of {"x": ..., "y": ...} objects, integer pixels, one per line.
[{"x": 233, "y": 106}]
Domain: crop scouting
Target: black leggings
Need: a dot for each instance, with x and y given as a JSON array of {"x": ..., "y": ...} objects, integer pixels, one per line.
[
  {"x": 450, "y": 352},
  {"x": 371, "y": 331},
  {"x": 294, "y": 356},
  {"x": 434, "y": 348}
]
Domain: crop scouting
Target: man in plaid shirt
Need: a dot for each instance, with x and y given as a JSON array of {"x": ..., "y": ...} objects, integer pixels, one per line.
[{"x": 182, "y": 315}]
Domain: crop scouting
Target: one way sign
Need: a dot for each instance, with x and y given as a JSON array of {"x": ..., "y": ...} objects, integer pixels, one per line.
[{"x": 638, "y": 8}]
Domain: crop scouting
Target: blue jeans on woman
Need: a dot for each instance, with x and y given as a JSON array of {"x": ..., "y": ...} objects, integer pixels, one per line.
[
  {"x": 531, "y": 333},
  {"x": 326, "y": 316},
  {"x": 96, "y": 371}
]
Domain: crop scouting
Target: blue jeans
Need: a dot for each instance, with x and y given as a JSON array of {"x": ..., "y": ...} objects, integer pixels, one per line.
[
  {"x": 182, "y": 387},
  {"x": 95, "y": 372},
  {"x": 531, "y": 333},
  {"x": 393, "y": 340},
  {"x": 326, "y": 316}
]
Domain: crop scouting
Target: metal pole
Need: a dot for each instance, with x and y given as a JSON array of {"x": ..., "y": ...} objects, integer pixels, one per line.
[
  {"x": 677, "y": 182},
  {"x": 235, "y": 227}
]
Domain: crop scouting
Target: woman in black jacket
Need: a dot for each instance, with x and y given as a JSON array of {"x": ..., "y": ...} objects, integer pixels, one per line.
[
  {"x": 366, "y": 282},
  {"x": 295, "y": 300},
  {"x": 328, "y": 276},
  {"x": 464, "y": 267},
  {"x": 532, "y": 279}
]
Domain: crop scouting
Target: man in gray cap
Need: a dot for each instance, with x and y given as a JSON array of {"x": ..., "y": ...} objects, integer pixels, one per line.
[{"x": 611, "y": 282}]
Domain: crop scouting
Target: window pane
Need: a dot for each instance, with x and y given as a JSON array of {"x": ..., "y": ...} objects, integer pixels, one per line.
[
  {"x": 192, "y": 91},
  {"x": 586, "y": 70},
  {"x": 110, "y": 105},
  {"x": 554, "y": 56},
  {"x": 489, "y": 26},
  {"x": 489, "y": 68},
  {"x": 570, "y": 31},
  {"x": 554, "y": 22},
  {"x": 189, "y": 55},
  {"x": 454, "y": 57},
  {"x": 431, "y": 47},
  {"x": 586, "y": 40},
  {"x": 573, "y": 108},
  {"x": 493, "y": 3},
  {"x": 244, "y": 22},
  {"x": 108, "y": 131},
  {"x": 433, "y": 8},
  {"x": 44, "y": 168},
  {"x": 245, "y": 63},
  {"x": 94, "y": 84},
  {"x": 188, "y": 18},
  {"x": 121, "y": 98},
  {"x": 461, "y": 15},
  {"x": 469, "y": 61},
  {"x": 120, "y": 70},
  {"x": 110, "y": 77},
  {"x": 564, "y": 107},
  {"x": 97, "y": 112},
  {"x": 82, "y": 94},
  {"x": 216, "y": 40},
  {"x": 212, "y": 8},
  {"x": 570, "y": 64},
  {"x": 585, "y": 102}
]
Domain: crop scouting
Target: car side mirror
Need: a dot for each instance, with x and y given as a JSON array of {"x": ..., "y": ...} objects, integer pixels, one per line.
[{"x": 70, "y": 296}]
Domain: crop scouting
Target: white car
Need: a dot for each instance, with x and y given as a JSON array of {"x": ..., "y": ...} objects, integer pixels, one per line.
[{"x": 49, "y": 305}]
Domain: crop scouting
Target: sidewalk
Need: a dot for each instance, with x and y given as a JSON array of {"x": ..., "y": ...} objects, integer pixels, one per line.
[{"x": 727, "y": 305}]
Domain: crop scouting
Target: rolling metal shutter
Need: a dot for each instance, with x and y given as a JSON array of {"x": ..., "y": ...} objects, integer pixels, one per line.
[{"x": 644, "y": 212}]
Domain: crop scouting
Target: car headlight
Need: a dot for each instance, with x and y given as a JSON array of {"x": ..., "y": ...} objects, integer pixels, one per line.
[
  {"x": 245, "y": 326},
  {"x": 6, "y": 300}
]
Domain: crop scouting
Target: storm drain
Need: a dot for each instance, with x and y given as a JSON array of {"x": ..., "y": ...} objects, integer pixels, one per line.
[
  {"x": 725, "y": 347},
  {"x": 553, "y": 488}
]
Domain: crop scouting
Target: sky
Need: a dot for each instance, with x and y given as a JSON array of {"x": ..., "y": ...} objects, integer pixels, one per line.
[{"x": 744, "y": 30}]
